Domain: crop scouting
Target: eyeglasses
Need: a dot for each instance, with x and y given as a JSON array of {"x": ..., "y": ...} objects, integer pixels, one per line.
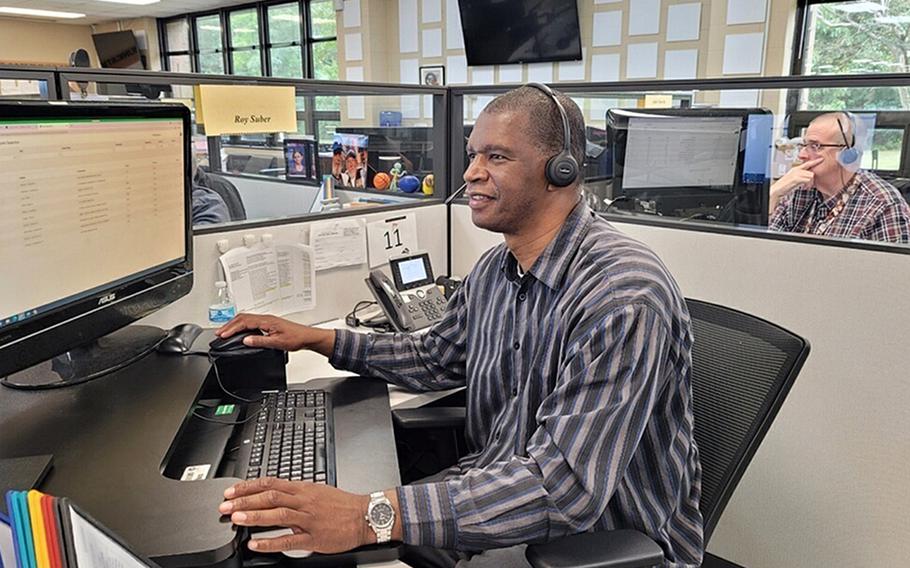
[{"x": 816, "y": 147}]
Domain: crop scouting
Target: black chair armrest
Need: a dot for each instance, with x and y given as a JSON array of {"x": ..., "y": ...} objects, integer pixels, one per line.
[
  {"x": 429, "y": 417},
  {"x": 609, "y": 549}
]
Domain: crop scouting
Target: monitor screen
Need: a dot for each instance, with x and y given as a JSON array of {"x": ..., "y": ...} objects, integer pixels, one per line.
[
  {"x": 678, "y": 151},
  {"x": 98, "y": 222},
  {"x": 118, "y": 50},
  {"x": 522, "y": 31},
  {"x": 411, "y": 271},
  {"x": 759, "y": 135},
  {"x": 692, "y": 163}
]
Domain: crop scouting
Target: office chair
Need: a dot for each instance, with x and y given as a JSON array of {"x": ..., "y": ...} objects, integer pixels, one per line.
[
  {"x": 742, "y": 369},
  {"x": 228, "y": 192}
]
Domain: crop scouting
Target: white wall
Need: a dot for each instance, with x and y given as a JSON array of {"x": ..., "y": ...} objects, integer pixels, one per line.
[
  {"x": 828, "y": 487},
  {"x": 337, "y": 290}
]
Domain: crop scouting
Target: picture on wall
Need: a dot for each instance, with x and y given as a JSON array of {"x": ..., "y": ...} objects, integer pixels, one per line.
[{"x": 433, "y": 75}]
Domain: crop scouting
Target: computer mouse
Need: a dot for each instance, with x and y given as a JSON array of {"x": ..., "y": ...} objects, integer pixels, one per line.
[
  {"x": 233, "y": 345},
  {"x": 180, "y": 339}
]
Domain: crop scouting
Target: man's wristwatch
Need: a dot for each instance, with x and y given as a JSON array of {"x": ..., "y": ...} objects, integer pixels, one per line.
[{"x": 380, "y": 516}]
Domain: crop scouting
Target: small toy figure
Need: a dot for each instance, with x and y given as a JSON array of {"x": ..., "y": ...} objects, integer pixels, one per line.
[
  {"x": 395, "y": 173},
  {"x": 429, "y": 183}
]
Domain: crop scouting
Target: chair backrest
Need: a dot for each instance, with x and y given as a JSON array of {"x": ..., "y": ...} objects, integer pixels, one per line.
[
  {"x": 742, "y": 369},
  {"x": 228, "y": 192}
]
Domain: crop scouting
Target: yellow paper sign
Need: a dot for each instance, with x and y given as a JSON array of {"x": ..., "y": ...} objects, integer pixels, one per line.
[
  {"x": 658, "y": 101},
  {"x": 245, "y": 109}
]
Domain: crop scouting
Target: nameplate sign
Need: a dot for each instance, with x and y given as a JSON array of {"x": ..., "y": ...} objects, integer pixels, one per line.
[{"x": 245, "y": 109}]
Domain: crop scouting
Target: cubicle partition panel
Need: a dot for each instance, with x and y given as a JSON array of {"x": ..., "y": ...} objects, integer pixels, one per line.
[
  {"x": 342, "y": 130},
  {"x": 337, "y": 290},
  {"x": 704, "y": 155},
  {"x": 28, "y": 83}
]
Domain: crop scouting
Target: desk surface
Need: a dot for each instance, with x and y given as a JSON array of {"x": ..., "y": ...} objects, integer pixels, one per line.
[{"x": 111, "y": 437}]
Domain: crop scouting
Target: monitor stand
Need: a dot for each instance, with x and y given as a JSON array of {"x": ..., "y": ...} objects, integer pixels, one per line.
[{"x": 90, "y": 361}]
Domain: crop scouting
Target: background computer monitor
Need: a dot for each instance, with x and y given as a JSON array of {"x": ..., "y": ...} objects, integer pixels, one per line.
[
  {"x": 95, "y": 233},
  {"x": 711, "y": 163}
]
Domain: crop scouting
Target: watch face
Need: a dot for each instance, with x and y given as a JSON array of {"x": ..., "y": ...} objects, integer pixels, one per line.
[{"x": 382, "y": 514}]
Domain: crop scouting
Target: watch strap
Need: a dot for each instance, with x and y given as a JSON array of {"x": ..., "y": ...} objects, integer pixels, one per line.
[{"x": 383, "y": 534}]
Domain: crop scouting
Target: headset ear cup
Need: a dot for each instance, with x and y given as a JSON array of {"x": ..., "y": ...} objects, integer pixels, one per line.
[
  {"x": 848, "y": 157},
  {"x": 562, "y": 169}
]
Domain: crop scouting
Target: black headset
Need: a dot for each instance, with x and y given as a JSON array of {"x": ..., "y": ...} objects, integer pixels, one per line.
[
  {"x": 562, "y": 169},
  {"x": 850, "y": 154}
]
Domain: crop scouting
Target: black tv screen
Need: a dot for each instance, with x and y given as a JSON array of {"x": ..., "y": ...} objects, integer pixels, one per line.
[
  {"x": 520, "y": 31},
  {"x": 118, "y": 50}
]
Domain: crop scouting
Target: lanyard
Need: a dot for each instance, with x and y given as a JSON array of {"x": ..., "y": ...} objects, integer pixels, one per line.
[{"x": 821, "y": 228}]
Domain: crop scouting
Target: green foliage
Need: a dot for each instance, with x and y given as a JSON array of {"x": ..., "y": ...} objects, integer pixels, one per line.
[
  {"x": 247, "y": 62},
  {"x": 284, "y": 23},
  {"x": 323, "y": 15},
  {"x": 208, "y": 32},
  {"x": 287, "y": 62},
  {"x": 244, "y": 28},
  {"x": 860, "y": 42}
]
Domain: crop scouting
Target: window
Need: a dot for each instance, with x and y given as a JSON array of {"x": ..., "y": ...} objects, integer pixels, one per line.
[
  {"x": 245, "y": 43},
  {"x": 293, "y": 39},
  {"x": 855, "y": 37},
  {"x": 285, "y": 54},
  {"x": 210, "y": 56}
]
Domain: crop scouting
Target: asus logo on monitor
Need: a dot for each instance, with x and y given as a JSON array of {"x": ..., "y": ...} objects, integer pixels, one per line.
[{"x": 107, "y": 299}]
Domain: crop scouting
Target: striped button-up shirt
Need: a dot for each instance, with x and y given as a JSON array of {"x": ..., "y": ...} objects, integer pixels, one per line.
[
  {"x": 579, "y": 403},
  {"x": 875, "y": 212}
]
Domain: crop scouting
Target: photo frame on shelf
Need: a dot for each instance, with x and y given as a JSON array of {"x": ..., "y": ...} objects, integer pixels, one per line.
[{"x": 433, "y": 75}]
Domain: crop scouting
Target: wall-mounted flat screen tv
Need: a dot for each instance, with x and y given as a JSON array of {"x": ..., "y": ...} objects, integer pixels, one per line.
[{"x": 498, "y": 32}]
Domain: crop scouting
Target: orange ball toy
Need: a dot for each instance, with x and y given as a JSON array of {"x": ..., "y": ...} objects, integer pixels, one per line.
[{"x": 382, "y": 180}]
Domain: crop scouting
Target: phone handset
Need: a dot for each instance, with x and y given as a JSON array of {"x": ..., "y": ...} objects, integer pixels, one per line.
[{"x": 390, "y": 300}]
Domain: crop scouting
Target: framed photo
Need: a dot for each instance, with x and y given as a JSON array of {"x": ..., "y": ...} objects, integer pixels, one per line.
[{"x": 433, "y": 75}]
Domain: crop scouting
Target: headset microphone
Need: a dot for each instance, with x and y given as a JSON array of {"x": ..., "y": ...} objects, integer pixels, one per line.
[
  {"x": 562, "y": 169},
  {"x": 456, "y": 193}
]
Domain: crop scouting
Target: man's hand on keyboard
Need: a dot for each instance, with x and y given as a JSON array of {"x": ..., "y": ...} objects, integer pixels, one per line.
[
  {"x": 324, "y": 519},
  {"x": 280, "y": 334}
]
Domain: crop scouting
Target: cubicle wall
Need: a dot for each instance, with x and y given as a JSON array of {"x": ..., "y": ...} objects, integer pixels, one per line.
[
  {"x": 337, "y": 290},
  {"x": 828, "y": 485}
]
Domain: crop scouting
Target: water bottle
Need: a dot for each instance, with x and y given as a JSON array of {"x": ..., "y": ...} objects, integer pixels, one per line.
[{"x": 223, "y": 308}]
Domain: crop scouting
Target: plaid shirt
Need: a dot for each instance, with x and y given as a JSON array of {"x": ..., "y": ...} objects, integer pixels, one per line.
[
  {"x": 578, "y": 397},
  {"x": 875, "y": 212}
]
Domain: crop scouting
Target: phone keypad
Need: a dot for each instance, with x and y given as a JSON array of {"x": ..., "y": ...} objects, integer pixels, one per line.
[{"x": 431, "y": 307}]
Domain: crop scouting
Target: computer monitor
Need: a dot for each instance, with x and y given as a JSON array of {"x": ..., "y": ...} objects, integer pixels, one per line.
[
  {"x": 692, "y": 162},
  {"x": 95, "y": 232}
]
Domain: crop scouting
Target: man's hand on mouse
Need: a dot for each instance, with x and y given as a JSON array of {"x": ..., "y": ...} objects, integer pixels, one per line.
[
  {"x": 323, "y": 518},
  {"x": 280, "y": 334}
]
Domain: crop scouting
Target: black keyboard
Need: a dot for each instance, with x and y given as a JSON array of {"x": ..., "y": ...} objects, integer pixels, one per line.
[{"x": 292, "y": 437}]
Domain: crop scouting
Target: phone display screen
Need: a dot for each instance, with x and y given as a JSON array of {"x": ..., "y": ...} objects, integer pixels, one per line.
[{"x": 412, "y": 271}]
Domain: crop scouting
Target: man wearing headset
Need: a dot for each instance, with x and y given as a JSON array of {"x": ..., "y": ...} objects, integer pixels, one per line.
[
  {"x": 574, "y": 344},
  {"x": 827, "y": 194}
]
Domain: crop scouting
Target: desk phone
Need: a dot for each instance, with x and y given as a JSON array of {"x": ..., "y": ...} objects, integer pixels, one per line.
[{"x": 411, "y": 272}]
